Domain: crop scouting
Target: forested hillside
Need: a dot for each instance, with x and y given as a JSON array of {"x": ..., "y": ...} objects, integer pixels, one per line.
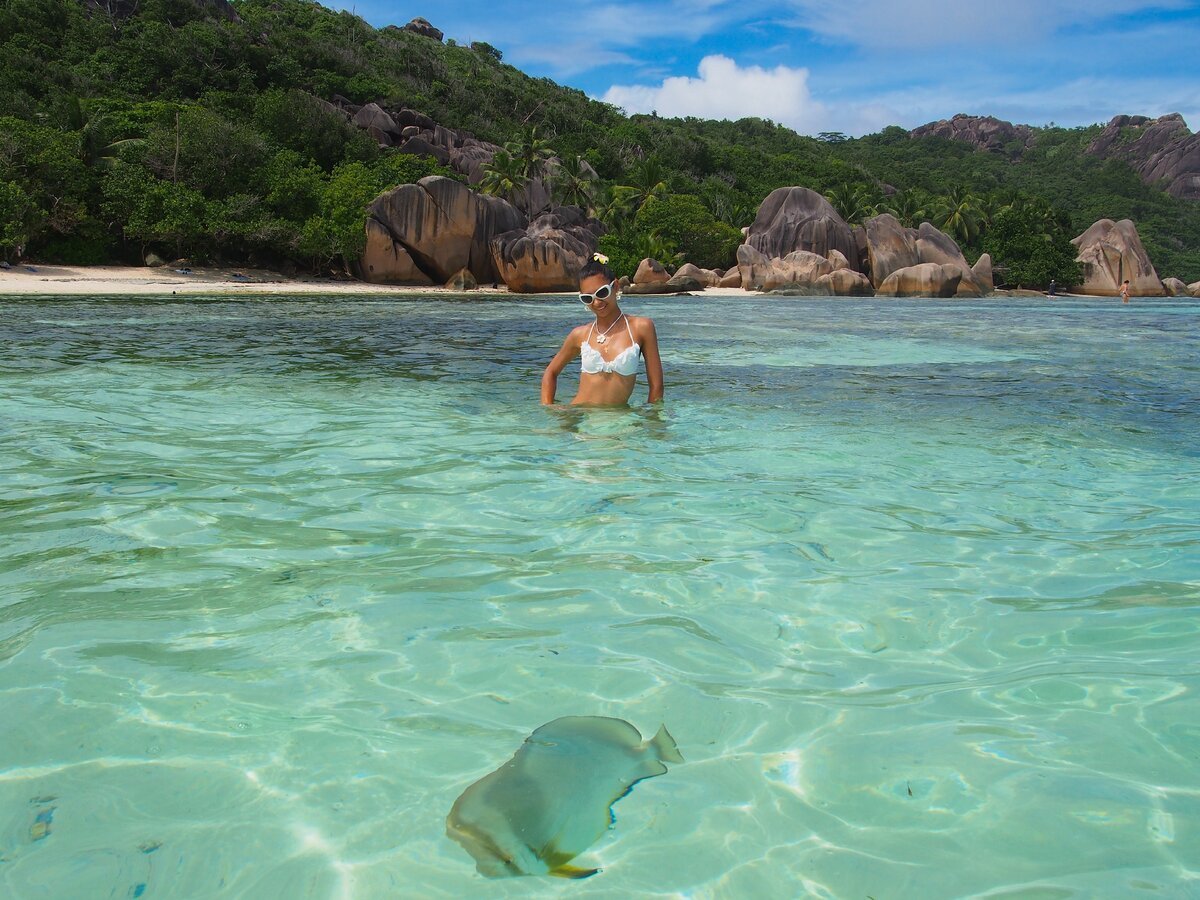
[{"x": 203, "y": 129}]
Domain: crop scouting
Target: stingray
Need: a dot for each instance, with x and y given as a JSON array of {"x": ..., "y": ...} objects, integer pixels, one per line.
[{"x": 554, "y": 798}]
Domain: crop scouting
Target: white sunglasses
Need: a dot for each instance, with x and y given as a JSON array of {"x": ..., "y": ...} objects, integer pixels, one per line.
[{"x": 602, "y": 293}]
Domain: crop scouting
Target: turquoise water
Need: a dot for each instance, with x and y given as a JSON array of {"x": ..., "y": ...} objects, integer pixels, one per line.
[{"x": 914, "y": 586}]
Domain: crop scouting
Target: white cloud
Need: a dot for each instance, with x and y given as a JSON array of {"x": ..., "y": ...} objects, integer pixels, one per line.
[{"x": 725, "y": 90}]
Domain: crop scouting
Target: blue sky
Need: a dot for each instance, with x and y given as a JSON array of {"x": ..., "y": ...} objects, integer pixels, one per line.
[{"x": 852, "y": 67}]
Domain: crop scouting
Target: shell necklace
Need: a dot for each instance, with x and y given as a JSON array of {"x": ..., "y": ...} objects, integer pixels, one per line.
[{"x": 600, "y": 338}]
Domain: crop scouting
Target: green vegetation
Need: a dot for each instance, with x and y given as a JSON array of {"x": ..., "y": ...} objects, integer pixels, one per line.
[{"x": 163, "y": 125}]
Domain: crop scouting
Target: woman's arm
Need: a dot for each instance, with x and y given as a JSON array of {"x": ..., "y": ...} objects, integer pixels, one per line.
[
  {"x": 568, "y": 351},
  {"x": 654, "y": 372}
]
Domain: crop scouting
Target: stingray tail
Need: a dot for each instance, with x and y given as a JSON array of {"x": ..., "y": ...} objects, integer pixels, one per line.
[
  {"x": 565, "y": 871},
  {"x": 664, "y": 746}
]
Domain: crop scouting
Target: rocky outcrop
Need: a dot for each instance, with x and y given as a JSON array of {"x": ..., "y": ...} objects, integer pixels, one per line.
[
  {"x": 546, "y": 257},
  {"x": 838, "y": 260},
  {"x": 796, "y": 218},
  {"x": 845, "y": 282},
  {"x": 982, "y": 132},
  {"x": 1162, "y": 151},
  {"x": 415, "y": 133},
  {"x": 462, "y": 280},
  {"x": 1112, "y": 252},
  {"x": 386, "y": 261},
  {"x": 935, "y": 246},
  {"x": 1194, "y": 288},
  {"x": 382, "y": 126},
  {"x": 422, "y": 27},
  {"x": 924, "y": 280},
  {"x": 731, "y": 279},
  {"x": 1174, "y": 287},
  {"x": 651, "y": 271},
  {"x": 761, "y": 273},
  {"x": 982, "y": 272},
  {"x": 890, "y": 247},
  {"x": 441, "y": 226},
  {"x": 706, "y": 277}
]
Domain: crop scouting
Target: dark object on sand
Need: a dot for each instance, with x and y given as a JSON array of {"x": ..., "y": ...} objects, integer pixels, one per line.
[{"x": 554, "y": 798}]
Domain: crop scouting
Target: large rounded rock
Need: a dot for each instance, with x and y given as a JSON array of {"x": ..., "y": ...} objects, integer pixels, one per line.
[
  {"x": 923, "y": 280},
  {"x": 1194, "y": 288},
  {"x": 386, "y": 261},
  {"x": 890, "y": 247},
  {"x": 847, "y": 283},
  {"x": 462, "y": 280},
  {"x": 546, "y": 257},
  {"x": 798, "y": 268},
  {"x": 422, "y": 27},
  {"x": 372, "y": 116},
  {"x": 837, "y": 259},
  {"x": 651, "y": 271},
  {"x": 796, "y": 218},
  {"x": 935, "y": 246},
  {"x": 731, "y": 279},
  {"x": 442, "y": 225},
  {"x": 706, "y": 277},
  {"x": 1112, "y": 252},
  {"x": 982, "y": 273},
  {"x": 1175, "y": 287}
]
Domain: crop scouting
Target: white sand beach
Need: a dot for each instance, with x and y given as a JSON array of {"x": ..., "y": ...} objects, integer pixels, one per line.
[{"x": 38, "y": 280}]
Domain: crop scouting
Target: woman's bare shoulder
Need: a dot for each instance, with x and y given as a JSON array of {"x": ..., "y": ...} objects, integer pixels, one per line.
[{"x": 641, "y": 324}]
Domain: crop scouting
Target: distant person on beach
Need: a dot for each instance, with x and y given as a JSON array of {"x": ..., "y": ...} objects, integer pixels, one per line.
[
  {"x": 1053, "y": 290},
  {"x": 1125, "y": 291},
  {"x": 609, "y": 347}
]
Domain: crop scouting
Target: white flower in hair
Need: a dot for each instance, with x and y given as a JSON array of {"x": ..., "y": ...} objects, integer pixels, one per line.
[{"x": 600, "y": 258}]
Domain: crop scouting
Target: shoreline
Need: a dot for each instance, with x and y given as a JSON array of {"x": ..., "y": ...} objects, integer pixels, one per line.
[{"x": 31, "y": 280}]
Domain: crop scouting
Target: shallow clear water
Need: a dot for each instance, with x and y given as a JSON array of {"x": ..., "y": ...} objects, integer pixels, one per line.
[{"x": 914, "y": 586}]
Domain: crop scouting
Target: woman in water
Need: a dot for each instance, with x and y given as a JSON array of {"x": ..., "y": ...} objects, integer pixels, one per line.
[{"x": 608, "y": 348}]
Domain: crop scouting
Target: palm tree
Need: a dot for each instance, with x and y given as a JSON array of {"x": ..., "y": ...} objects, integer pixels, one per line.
[
  {"x": 573, "y": 182},
  {"x": 504, "y": 177},
  {"x": 655, "y": 246},
  {"x": 645, "y": 180},
  {"x": 531, "y": 152},
  {"x": 95, "y": 148},
  {"x": 610, "y": 206},
  {"x": 854, "y": 202},
  {"x": 958, "y": 215},
  {"x": 910, "y": 207}
]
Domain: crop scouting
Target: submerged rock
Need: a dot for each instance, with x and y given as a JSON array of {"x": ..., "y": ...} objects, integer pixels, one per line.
[{"x": 554, "y": 798}]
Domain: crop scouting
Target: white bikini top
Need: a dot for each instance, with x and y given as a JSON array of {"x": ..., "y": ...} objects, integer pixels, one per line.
[{"x": 624, "y": 363}]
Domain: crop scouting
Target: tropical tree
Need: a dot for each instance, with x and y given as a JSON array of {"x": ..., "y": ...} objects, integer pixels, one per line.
[
  {"x": 854, "y": 202},
  {"x": 531, "y": 153},
  {"x": 910, "y": 207},
  {"x": 573, "y": 182},
  {"x": 957, "y": 214},
  {"x": 645, "y": 180},
  {"x": 504, "y": 177},
  {"x": 611, "y": 206},
  {"x": 654, "y": 245}
]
